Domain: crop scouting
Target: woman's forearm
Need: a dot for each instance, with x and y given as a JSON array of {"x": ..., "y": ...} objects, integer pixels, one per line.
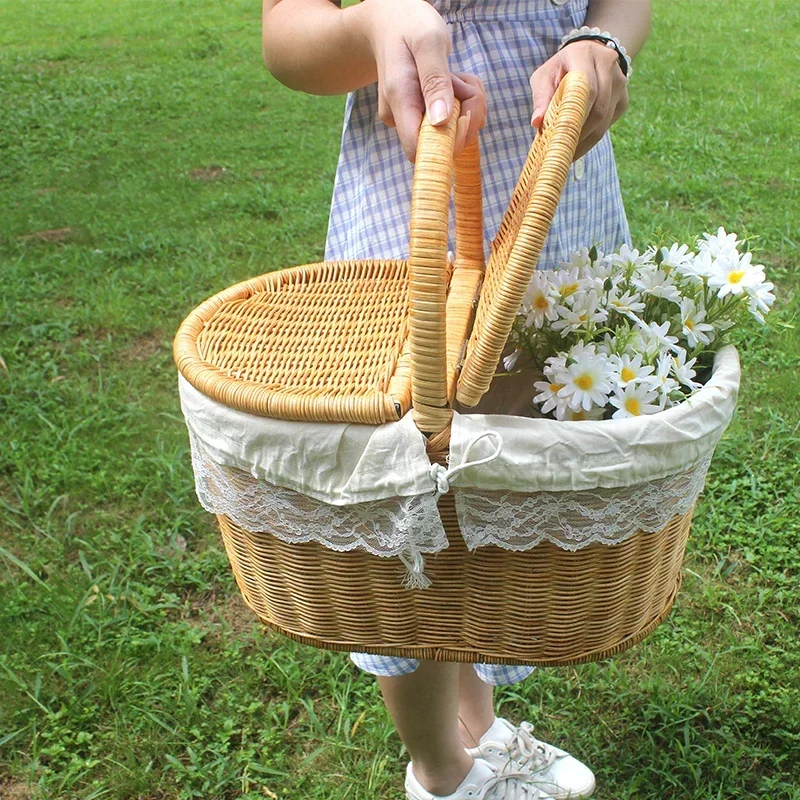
[
  {"x": 314, "y": 46},
  {"x": 627, "y": 20}
]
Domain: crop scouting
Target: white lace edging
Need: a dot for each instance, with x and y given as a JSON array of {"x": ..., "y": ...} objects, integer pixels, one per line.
[
  {"x": 573, "y": 520},
  {"x": 400, "y": 526}
]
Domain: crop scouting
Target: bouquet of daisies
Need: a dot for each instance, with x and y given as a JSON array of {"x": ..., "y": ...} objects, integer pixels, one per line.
[{"x": 628, "y": 333}]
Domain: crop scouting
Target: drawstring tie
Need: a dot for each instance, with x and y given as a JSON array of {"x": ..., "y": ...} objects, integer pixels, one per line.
[
  {"x": 411, "y": 557},
  {"x": 443, "y": 476}
]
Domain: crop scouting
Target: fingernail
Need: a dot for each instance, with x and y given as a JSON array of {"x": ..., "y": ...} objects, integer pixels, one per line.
[{"x": 438, "y": 112}]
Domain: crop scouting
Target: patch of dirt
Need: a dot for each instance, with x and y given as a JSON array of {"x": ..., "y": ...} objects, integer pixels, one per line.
[
  {"x": 142, "y": 348},
  {"x": 15, "y": 790},
  {"x": 213, "y": 172},
  {"x": 217, "y": 613},
  {"x": 44, "y": 191},
  {"x": 109, "y": 42},
  {"x": 56, "y": 235},
  {"x": 258, "y": 173}
]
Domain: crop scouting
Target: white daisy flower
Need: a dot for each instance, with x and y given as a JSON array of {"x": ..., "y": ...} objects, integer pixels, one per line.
[
  {"x": 628, "y": 303},
  {"x": 682, "y": 370},
  {"x": 549, "y": 399},
  {"x": 657, "y": 283},
  {"x": 577, "y": 350},
  {"x": 577, "y": 259},
  {"x": 555, "y": 367},
  {"x": 588, "y": 381},
  {"x": 718, "y": 244},
  {"x": 662, "y": 381},
  {"x": 761, "y": 298},
  {"x": 634, "y": 343},
  {"x": 658, "y": 335},
  {"x": 735, "y": 275},
  {"x": 692, "y": 326},
  {"x": 585, "y": 310},
  {"x": 566, "y": 283},
  {"x": 608, "y": 345},
  {"x": 629, "y": 369},
  {"x": 633, "y": 401},
  {"x": 510, "y": 361},
  {"x": 627, "y": 256},
  {"x": 697, "y": 269},
  {"x": 676, "y": 257},
  {"x": 539, "y": 302}
]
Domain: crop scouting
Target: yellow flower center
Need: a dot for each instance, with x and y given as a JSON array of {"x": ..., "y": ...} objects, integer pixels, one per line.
[
  {"x": 578, "y": 416},
  {"x": 632, "y": 406},
  {"x": 735, "y": 277},
  {"x": 689, "y": 324},
  {"x": 584, "y": 382},
  {"x": 541, "y": 302},
  {"x": 569, "y": 288},
  {"x": 556, "y": 387},
  {"x": 627, "y": 374}
]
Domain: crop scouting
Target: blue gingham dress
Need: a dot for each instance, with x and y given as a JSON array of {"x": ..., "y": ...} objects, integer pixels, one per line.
[{"x": 502, "y": 42}]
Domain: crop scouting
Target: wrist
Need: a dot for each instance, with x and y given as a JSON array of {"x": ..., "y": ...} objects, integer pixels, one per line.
[{"x": 602, "y": 38}]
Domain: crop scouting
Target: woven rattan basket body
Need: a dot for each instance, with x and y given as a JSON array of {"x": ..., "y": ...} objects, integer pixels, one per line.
[{"x": 368, "y": 341}]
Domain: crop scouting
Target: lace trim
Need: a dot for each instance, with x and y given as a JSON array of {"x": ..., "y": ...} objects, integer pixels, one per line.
[
  {"x": 573, "y": 520},
  {"x": 400, "y": 526}
]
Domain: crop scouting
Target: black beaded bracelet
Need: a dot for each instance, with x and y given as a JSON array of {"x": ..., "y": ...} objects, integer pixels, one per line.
[{"x": 594, "y": 35}]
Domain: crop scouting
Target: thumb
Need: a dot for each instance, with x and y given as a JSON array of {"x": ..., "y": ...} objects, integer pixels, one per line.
[{"x": 435, "y": 81}]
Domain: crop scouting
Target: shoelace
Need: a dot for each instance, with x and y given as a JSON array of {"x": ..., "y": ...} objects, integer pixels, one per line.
[
  {"x": 510, "y": 787},
  {"x": 526, "y": 750}
]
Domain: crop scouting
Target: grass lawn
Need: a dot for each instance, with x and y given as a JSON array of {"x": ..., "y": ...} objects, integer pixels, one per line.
[{"x": 146, "y": 161}]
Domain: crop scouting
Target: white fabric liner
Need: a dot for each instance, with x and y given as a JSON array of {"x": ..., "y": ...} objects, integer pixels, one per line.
[
  {"x": 557, "y": 456},
  {"x": 373, "y": 487},
  {"x": 338, "y": 463},
  {"x": 343, "y": 463}
]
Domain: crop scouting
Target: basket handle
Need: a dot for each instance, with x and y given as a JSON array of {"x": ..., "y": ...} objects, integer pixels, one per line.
[
  {"x": 427, "y": 264},
  {"x": 522, "y": 234}
]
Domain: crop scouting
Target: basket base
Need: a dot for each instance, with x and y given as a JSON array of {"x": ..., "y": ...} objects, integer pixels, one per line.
[{"x": 545, "y": 606}]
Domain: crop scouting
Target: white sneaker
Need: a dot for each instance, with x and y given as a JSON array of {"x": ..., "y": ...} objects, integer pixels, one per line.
[
  {"x": 516, "y": 750},
  {"x": 483, "y": 782}
]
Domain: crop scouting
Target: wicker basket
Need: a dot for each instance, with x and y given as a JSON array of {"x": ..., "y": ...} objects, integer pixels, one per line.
[{"x": 368, "y": 341}]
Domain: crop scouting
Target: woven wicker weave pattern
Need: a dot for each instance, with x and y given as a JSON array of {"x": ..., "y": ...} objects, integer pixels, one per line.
[
  {"x": 314, "y": 342},
  {"x": 541, "y": 606},
  {"x": 362, "y": 341}
]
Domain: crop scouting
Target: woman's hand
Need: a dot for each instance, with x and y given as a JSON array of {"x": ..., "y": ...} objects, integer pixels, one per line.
[
  {"x": 608, "y": 88},
  {"x": 410, "y": 43}
]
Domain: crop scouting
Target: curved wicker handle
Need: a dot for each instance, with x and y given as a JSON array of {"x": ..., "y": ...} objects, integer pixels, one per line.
[
  {"x": 522, "y": 233},
  {"x": 427, "y": 263}
]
